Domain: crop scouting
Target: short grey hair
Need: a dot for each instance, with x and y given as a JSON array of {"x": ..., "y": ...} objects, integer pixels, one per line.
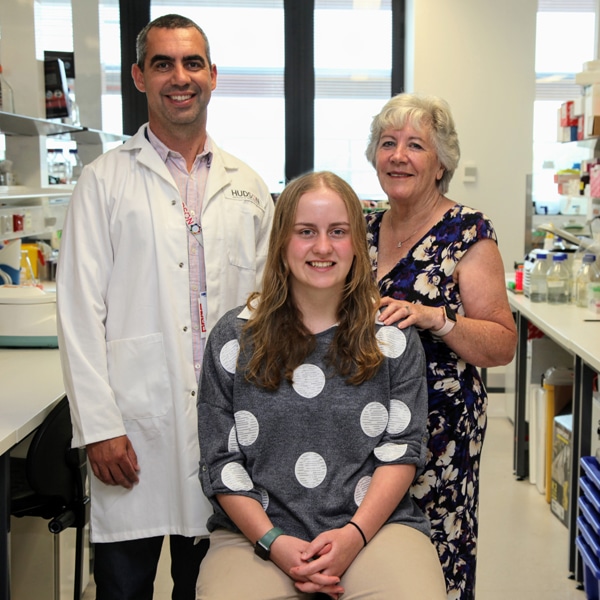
[
  {"x": 171, "y": 21},
  {"x": 420, "y": 111}
]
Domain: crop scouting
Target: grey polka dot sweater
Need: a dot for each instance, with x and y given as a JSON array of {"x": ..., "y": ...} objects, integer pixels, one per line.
[{"x": 307, "y": 451}]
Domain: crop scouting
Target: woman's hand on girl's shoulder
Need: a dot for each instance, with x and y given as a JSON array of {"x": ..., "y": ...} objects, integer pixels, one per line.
[{"x": 406, "y": 314}]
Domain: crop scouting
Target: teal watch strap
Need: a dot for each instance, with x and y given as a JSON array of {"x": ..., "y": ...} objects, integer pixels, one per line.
[{"x": 263, "y": 546}]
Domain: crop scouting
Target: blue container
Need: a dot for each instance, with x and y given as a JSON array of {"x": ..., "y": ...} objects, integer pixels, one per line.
[
  {"x": 592, "y": 470},
  {"x": 591, "y": 569},
  {"x": 591, "y": 539},
  {"x": 590, "y": 491},
  {"x": 591, "y": 515}
]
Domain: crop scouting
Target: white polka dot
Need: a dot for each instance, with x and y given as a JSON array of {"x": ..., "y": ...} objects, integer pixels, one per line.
[
  {"x": 399, "y": 417},
  {"x": 246, "y": 426},
  {"x": 229, "y": 355},
  {"x": 392, "y": 341},
  {"x": 374, "y": 419},
  {"x": 390, "y": 452},
  {"x": 361, "y": 488},
  {"x": 264, "y": 498},
  {"x": 235, "y": 477},
  {"x": 310, "y": 469},
  {"x": 232, "y": 443},
  {"x": 309, "y": 381}
]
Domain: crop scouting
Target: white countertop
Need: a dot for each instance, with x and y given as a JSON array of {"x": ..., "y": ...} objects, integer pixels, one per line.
[
  {"x": 566, "y": 324},
  {"x": 30, "y": 385}
]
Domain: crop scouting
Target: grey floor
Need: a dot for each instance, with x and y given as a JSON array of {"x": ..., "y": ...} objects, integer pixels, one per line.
[{"x": 522, "y": 545}]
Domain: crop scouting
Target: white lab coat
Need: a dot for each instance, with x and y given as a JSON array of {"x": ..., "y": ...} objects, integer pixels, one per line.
[{"x": 124, "y": 322}]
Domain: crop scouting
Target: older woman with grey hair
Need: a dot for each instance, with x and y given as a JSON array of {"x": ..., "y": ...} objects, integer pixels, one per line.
[{"x": 438, "y": 267}]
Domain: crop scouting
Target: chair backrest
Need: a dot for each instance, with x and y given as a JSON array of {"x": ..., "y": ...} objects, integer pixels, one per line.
[{"x": 48, "y": 467}]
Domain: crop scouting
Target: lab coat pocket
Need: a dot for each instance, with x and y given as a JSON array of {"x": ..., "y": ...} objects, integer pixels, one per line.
[
  {"x": 240, "y": 241},
  {"x": 137, "y": 369}
]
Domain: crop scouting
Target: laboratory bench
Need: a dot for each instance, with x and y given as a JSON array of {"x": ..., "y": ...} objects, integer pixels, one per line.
[
  {"x": 30, "y": 386},
  {"x": 575, "y": 331}
]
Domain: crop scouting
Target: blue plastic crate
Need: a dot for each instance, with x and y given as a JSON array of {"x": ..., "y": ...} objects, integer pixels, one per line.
[
  {"x": 591, "y": 515},
  {"x": 590, "y": 492},
  {"x": 591, "y": 569},
  {"x": 592, "y": 539},
  {"x": 592, "y": 470}
]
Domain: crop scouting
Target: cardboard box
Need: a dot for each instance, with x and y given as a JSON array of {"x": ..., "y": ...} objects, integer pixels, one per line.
[
  {"x": 567, "y": 134},
  {"x": 592, "y": 110},
  {"x": 592, "y": 127},
  {"x": 580, "y": 128},
  {"x": 561, "y": 467},
  {"x": 595, "y": 181},
  {"x": 567, "y": 181},
  {"x": 567, "y": 117}
]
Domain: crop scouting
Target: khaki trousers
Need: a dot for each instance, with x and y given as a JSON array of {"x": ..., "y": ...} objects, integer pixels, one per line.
[{"x": 399, "y": 563}]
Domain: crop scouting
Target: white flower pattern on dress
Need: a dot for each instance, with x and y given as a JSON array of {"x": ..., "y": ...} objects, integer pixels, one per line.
[{"x": 447, "y": 489}]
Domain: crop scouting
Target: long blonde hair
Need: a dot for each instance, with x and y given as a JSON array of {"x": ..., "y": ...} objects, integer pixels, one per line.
[{"x": 280, "y": 341}]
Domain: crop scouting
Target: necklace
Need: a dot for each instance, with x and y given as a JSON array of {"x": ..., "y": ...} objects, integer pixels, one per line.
[{"x": 399, "y": 244}]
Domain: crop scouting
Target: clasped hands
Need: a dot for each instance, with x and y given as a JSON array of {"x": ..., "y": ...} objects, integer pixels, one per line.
[{"x": 318, "y": 566}]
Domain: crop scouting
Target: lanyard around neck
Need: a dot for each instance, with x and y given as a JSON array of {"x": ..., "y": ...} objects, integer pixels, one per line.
[{"x": 192, "y": 225}]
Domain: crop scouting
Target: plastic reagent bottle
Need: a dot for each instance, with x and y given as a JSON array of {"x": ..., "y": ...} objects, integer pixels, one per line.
[
  {"x": 557, "y": 280},
  {"x": 52, "y": 178},
  {"x": 588, "y": 273},
  {"x": 538, "y": 291},
  {"x": 62, "y": 167}
]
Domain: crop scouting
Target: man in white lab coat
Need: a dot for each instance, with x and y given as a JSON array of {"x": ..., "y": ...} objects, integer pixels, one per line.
[{"x": 163, "y": 235}]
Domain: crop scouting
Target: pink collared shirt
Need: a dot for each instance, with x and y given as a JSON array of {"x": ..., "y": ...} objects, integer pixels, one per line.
[{"x": 191, "y": 187}]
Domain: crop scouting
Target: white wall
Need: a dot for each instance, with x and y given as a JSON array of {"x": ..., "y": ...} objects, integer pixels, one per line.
[
  {"x": 18, "y": 56},
  {"x": 479, "y": 56}
]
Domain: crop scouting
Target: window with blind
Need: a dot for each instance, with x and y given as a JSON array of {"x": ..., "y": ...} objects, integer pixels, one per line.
[
  {"x": 246, "y": 113},
  {"x": 352, "y": 81},
  {"x": 565, "y": 39},
  {"x": 353, "y": 71}
]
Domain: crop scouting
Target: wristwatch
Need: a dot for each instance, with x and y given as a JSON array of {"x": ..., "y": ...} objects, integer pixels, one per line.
[
  {"x": 262, "y": 548},
  {"x": 450, "y": 316}
]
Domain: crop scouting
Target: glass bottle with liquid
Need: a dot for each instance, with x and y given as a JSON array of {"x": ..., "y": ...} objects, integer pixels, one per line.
[
  {"x": 588, "y": 273},
  {"x": 76, "y": 165},
  {"x": 557, "y": 280},
  {"x": 62, "y": 167},
  {"x": 538, "y": 290},
  {"x": 52, "y": 178}
]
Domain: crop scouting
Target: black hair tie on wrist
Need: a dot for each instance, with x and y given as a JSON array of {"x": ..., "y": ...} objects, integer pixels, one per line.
[{"x": 362, "y": 535}]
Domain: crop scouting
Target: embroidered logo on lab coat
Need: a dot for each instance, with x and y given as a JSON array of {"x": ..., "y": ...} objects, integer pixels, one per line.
[{"x": 243, "y": 195}]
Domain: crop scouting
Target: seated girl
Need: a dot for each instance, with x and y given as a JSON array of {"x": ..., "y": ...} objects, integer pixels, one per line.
[{"x": 312, "y": 423}]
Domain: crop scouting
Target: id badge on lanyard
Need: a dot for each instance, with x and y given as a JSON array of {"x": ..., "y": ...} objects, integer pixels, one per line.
[
  {"x": 203, "y": 312},
  {"x": 196, "y": 231},
  {"x": 192, "y": 225}
]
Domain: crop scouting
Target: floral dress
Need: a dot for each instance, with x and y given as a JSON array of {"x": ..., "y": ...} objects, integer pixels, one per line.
[{"x": 448, "y": 489}]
